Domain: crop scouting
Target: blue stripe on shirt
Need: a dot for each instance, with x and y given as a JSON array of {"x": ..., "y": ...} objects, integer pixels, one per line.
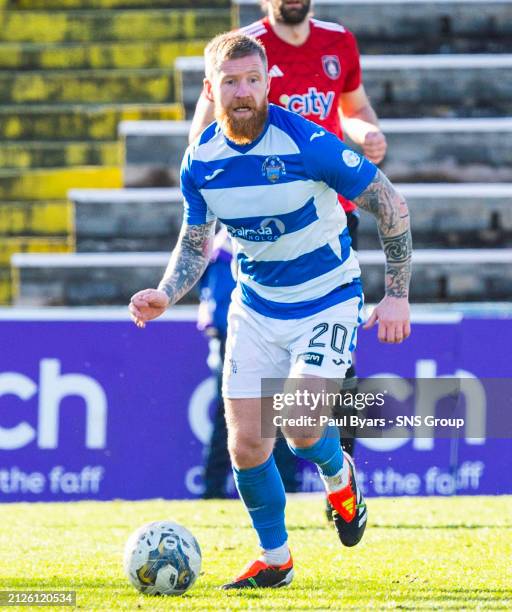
[
  {"x": 299, "y": 270},
  {"x": 245, "y": 171},
  {"x": 299, "y": 310}
]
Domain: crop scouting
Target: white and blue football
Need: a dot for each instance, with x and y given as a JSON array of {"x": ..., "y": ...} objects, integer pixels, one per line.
[{"x": 162, "y": 558}]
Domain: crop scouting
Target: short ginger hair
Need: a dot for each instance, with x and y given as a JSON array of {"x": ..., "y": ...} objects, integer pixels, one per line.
[{"x": 231, "y": 45}]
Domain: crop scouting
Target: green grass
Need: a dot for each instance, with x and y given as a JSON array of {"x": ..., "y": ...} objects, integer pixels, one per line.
[{"x": 417, "y": 554}]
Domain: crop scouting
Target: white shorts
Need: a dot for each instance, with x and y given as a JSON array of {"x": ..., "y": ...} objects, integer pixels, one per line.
[{"x": 260, "y": 347}]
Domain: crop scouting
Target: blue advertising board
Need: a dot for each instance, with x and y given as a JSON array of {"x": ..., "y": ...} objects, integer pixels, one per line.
[{"x": 92, "y": 407}]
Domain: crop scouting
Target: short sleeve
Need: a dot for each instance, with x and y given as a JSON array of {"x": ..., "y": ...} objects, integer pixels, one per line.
[
  {"x": 328, "y": 159},
  {"x": 351, "y": 56},
  {"x": 196, "y": 211}
]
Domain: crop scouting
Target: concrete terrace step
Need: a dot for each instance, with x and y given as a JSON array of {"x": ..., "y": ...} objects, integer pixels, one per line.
[
  {"x": 23, "y": 244},
  {"x": 59, "y": 154},
  {"x": 453, "y": 215},
  {"x": 102, "y": 25},
  {"x": 96, "y": 55},
  {"x": 153, "y": 151},
  {"x": 48, "y": 218},
  {"x": 126, "y": 219},
  {"x": 408, "y": 85},
  {"x": 98, "y": 86},
  {"x": 433, "y": 150},
  {"x": 78, "y": 121},
  {"x": 86, "y": 279},
  {"x": 442, "y": 215},
  {"x": 458, "y": 150},
  {"x": 413, "y": 26},
  {"x": 33, "y": 244},
  {"x": 53, "y": 184},
  {"x": 79, "y": 280}
]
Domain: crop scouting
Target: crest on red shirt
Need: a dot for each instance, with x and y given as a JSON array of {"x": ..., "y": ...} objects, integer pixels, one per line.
[{"x": 331, "y": 65}]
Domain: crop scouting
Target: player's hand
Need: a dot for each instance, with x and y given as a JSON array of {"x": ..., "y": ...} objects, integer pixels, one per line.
[
  {"x": 394, "y": 318},
  {"x": 146, "y": 305},
  {"x": 375, "y": 146}
]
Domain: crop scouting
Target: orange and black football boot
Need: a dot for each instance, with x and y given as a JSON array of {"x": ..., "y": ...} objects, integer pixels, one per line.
[
  {"x": 349, "y": 512},
  {"x": 259, "y": 574}
]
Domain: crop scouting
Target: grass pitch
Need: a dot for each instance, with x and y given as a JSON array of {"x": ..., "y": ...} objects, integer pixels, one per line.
[{"x": 417, "y": 553}]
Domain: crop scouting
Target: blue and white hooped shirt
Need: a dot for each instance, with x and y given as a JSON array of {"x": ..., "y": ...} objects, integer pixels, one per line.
[{"x": 277, "y": 197}]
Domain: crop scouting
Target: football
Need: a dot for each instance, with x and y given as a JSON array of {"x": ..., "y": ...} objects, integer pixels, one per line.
[{"x": 162, "y": 558}]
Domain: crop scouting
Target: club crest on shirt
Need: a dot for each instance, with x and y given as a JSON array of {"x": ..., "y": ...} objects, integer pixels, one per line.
[
  {"x": 331, "y": 65},
  {"x": 273, "y": 168}
]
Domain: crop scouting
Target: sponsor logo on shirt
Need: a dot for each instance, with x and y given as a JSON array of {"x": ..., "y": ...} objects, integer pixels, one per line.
[
  {"x": 270, "y": 230},
  {"x": 313, "y": 102},
  {"x": 311, "y": 358}
]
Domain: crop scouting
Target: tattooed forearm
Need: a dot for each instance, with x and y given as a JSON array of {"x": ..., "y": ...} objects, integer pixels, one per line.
[
  {"x": 398, "y": 251},
  {"x": 188, "y": 261},
  {"x": 382, "y": 200}
]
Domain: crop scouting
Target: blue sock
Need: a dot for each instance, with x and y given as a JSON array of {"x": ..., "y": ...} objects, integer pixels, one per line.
[
  {"x": 326, "y": 452},
  {"x": 262, "y": 491}
]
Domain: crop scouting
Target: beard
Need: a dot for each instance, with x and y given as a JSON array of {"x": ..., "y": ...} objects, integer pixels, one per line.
[
  {"x": 284, "y": 14},
  {"x": 241, "y": 130}
]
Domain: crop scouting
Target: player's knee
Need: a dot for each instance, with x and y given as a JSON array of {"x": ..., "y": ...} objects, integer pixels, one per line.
[{"x": 247, "y": 452}]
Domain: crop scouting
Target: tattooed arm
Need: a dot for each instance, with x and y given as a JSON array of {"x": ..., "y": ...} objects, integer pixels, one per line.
[
  {"x": 186, "y": 266},
  {"x": 188, "y": 261},
  {"x": 382, "y": 200}
]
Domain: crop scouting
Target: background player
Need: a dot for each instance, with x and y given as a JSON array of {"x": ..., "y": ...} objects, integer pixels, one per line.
[
  {"x": 316, "y": 73},
  {"x": 297, "y": 271}
]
